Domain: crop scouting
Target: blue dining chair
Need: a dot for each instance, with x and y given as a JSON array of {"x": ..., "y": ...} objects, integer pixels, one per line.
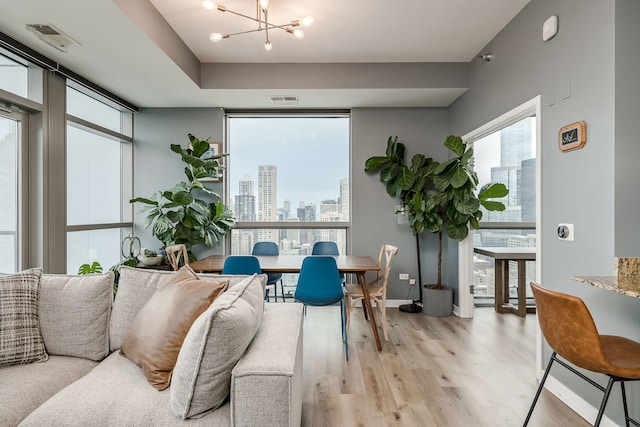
[
  {"x": 327, "y": 248},
  {"x": 319, "y": 284},
  {"x": 242, "y": 264},
  {"x": 270, "y": 249}
]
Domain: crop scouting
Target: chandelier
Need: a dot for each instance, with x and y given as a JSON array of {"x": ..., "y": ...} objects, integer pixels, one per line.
[{"x": 262, "y": 19}]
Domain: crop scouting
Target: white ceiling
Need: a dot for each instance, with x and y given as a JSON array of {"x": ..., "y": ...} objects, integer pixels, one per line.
[{"x": 120, "y": 56}]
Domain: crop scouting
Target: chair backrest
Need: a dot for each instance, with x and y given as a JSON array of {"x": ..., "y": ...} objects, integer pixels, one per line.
[
  {"x": 385, "y": 262},
  {"x": 319, "y": 282},
  {"x": 325, "y": 248},
  {"x": 569, "y": 329},
  {"x": 241, "y": 264},
  {"x": 265, "y": 248},
  {"x": 174, "y": 253}
]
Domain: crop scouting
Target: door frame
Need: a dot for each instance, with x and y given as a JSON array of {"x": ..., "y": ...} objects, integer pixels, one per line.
[{"x": 465, "y": 248}]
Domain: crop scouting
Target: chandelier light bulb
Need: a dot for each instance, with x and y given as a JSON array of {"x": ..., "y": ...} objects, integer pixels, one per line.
[
  {"x": 208, "y": 4},
  {"x": 298, "y": 33},
  {"x": 268, "y": 46},
  {"x": 216, "y": 37},
  {"x": 307, "y": 20},
  {"x": 264, "y": 3}
]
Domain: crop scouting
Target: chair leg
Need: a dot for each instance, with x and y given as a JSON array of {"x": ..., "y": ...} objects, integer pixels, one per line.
[
  {"x": 344, "y": 330},
  {"x": 607, "y": 392},
  {"x": 349, "y": 302},
  {"x": 624, "y": 404},
  {"x": 540, "y": 387},
  {"x": 282, "y": 289},
  {"x": 364, "y": 310},
  {"x": 382, "y": 306}
]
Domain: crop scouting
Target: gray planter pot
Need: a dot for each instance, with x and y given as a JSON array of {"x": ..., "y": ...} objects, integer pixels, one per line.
[{"x": 437, "y": 302}]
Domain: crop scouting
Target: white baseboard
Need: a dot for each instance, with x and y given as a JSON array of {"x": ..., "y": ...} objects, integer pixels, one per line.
[
  {"x": 397, "y": 302},
  {"x": 575, "y": 402}
]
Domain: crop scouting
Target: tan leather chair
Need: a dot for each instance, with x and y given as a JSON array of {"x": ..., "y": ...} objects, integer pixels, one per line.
[
  {"x": 569, "y": 329},
  {"x": 377, "y": 288}
]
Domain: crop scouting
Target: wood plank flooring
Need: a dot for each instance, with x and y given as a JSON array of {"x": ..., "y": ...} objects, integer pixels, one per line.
[{"x": 432, "y": 372}]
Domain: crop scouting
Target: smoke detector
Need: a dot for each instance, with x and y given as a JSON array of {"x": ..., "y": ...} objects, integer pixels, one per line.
[
  {"x": 284, "y": 100},
  {"x": 52, "y": 36}
]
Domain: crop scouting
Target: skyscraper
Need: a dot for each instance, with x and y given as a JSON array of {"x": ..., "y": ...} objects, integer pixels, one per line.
[
  {"x": 268, "y": 200},
  {"x": 245, "y": 210}
]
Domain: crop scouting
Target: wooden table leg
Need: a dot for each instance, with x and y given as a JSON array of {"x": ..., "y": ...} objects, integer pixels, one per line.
[
  {"x": 365, "y": 291},
  {"x": 499, "y": 285},
  {"x": 522, "y": 291}
]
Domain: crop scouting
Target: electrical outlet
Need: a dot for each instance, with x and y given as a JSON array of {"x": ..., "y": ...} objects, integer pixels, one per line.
[
  {"x": 404, "y": 276},
  {"x": 412, "y": 281}
]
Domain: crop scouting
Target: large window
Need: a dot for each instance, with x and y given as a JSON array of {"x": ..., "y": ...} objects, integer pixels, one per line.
[
  {"x": 288, "y": 180},
  {"x": 507, "y": 155},
  {"x": 9, "y": 194},
  {"x": 99, "y": 176}
]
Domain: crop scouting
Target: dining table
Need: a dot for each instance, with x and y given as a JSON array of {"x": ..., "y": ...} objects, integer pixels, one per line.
[
  {"x": 349, "y": 264},
  {"x": 502, "y": 257}
]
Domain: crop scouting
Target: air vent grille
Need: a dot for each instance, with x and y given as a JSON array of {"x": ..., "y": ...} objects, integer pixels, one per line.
[
  {"x": 52, "y": 36},
  {"x": 284, "y": 100}
]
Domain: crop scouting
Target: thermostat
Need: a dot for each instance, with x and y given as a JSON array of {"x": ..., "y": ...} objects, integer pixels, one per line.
[{"x": 550, "y": 28}]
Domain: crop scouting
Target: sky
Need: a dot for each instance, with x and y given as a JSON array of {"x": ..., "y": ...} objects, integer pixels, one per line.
[{"x": 311, "y": 153}]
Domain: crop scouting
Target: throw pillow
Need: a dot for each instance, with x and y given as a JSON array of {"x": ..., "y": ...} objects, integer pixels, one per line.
[
  {"x": 74, "y": 314},
  {"x": 157, "y": 332},
  {"x": 213, "y": 346},
  {"x": 20, "y": 338}
]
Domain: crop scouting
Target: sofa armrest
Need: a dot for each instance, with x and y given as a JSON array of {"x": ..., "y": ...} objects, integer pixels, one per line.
[{"x": 266, "y": 384}]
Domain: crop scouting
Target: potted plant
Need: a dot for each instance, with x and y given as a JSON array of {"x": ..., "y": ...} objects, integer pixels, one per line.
[
  {"x": 190, "y": 212},
  {"x": 439, "y": 197}
]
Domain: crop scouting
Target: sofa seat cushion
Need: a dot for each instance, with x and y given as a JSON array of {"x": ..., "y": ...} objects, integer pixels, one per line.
[
  {"x": 116, "y": 393},
  {"x": 74, "y": 314},
  {"x": 135, "y": 287},
  {"x": 214, "y": 344},
  {"x": 20, "y": 338},
  {"x": 25, "y": 387}
]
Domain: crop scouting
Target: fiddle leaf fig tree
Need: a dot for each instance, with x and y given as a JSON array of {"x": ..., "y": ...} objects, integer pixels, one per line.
[
  {"x": 440, "y": 197},
  {"x": 190, "y": 212}
]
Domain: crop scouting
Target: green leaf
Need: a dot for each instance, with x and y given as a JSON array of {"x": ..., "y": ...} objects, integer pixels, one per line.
[
  {"x": 389, "y": 174},
  {"x": 183, "y": 198},
  {"x": 455, "y": 144},
  {"x": 459, "y": 177},
  {"x": 493, "y": 190},
  {"x": 143, "y": 200},
  {"x": 468, "y": 206},
  {"x": 405, "y": 178},
  {"x": 375, "y": 164},
  {"x": 442, "y": 167},
  {"x": 492, "y": 206},
  {"x": 457, "y": 231},
  {"x": 466, "y": 156}
]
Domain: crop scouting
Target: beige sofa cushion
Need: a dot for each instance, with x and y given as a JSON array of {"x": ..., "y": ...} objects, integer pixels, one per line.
[
  {"x": 20, "y": 338},
  {"x": 216, "y": 341},
  {"x": 156, "y": 334},
  {"x": 74, "y": 314}
]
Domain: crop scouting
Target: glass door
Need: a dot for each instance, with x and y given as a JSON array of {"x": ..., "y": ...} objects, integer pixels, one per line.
[
  {"x": 9, "y": 194},
  {"x": 507, "y": 155}
]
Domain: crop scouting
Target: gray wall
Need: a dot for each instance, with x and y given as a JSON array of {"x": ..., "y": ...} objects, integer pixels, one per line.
[
  {"x": 422, "y": 130},
  {"x": 157, "y": 167},
  {"x": 576, "y": 73}
]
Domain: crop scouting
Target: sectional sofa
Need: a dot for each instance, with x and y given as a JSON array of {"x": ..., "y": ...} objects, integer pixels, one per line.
[{"x": 240, "y": 363}]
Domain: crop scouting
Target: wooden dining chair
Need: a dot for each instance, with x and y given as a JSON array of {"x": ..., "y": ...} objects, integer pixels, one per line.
[
  {"x": 569, "y": 329},
  {"x": 175, "y": 253},
  {"x": 377, "y": 288}
]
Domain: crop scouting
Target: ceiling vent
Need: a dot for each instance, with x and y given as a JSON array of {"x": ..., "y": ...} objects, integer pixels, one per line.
[
  {"x": 284, "y": 100},
  {"x": 52, "y": 36}
]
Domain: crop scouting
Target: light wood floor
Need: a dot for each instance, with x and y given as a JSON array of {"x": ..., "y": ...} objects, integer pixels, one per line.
[{"x": 432, "y": 372}]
